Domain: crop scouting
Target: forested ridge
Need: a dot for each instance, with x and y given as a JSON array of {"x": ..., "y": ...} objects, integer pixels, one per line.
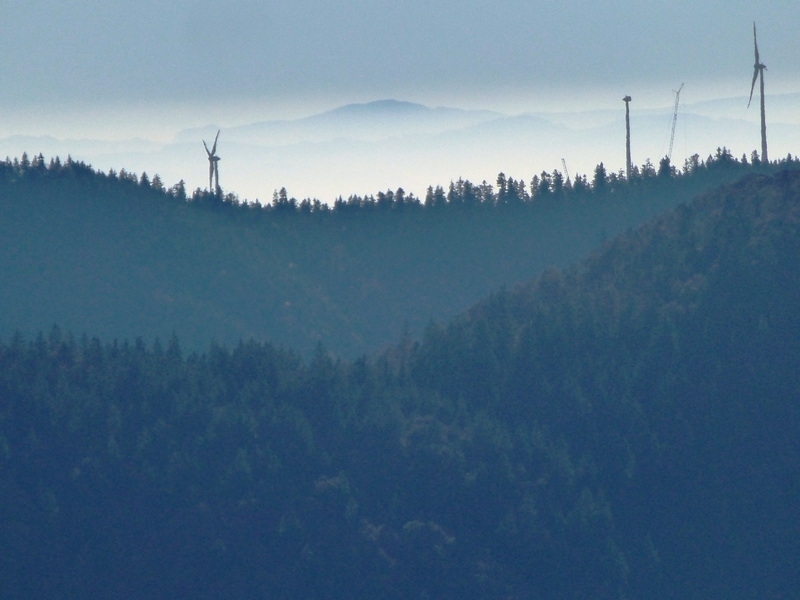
[
  {"x": 120, "y": 256},
  {"x": 624, "y": 428}
]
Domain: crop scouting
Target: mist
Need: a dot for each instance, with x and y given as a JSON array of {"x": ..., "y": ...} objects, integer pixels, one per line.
[{"x": 369, "y": 147}]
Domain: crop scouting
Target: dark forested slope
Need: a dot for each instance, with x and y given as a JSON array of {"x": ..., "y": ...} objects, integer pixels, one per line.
[
  {"x": 120, "y": 257},
  {"x": 625, "y": 428},
  {"x": 666, "y": 369}
]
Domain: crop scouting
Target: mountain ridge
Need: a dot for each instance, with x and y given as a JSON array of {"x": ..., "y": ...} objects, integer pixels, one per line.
[
  {"x": 351, "y": 275},
  {"x": 370, "y": 120}
]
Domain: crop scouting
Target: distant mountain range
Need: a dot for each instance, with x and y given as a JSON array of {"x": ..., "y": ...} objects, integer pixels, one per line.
[
  {"x": 364, "y": 148},
  {"x": 372, "y": 121}
]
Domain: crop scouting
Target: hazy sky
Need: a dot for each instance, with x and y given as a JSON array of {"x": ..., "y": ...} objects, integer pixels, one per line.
[
  {"x": 319, "y": 54},
  {"x": 114, "y": 69}
]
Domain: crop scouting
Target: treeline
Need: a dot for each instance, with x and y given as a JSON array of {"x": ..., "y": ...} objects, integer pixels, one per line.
[
  {"x": 120, "y": 256},
  {"x": 461, "y": 193},
  {"x": 623, "y": 428}
]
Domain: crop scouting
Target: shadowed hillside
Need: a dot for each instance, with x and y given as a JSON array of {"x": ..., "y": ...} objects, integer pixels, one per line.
[
  {"x": 119, "y": 256},
  {"x": 662, "y": 376},
  {"x": 625, "y": 428}
]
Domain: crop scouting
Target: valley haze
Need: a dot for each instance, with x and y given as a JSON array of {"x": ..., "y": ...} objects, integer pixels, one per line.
[{"x": 363, "y": 148}]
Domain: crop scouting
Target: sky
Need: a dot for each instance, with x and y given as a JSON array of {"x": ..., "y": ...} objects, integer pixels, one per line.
[{"x": 113, "y": 69}]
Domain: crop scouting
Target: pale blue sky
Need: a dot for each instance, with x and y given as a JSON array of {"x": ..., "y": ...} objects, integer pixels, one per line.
[{"x": 97, "y": 51}]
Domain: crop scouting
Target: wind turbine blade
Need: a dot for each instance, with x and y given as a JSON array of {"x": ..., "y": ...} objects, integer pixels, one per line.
[
  {"x": 206, "y": 147},
  {"x": 755, "y": 43},
  {"x": 214, "y": 147},
  {"x": 753, "y": 86}
]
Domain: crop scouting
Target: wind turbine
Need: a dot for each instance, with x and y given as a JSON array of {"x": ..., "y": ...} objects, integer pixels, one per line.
[
  {"x": 628, "y": 165},
  {"x": 213, "y": 164},
  {"x": 758, "y": 73}
]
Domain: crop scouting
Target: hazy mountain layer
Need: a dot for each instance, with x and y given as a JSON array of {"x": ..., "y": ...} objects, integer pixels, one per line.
[
  {"x": 373, "y": 121},
  {"x": 119, "y": 258},
  {"x": 357, "y": 149}
]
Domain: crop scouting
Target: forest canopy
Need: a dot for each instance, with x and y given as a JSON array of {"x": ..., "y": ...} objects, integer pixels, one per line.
[
  {"x": 625, "y": 427},
  {"x": 121, "y": 256}
]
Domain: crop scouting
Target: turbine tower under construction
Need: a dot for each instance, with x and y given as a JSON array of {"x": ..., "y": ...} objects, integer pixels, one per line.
[
  {"x": 674, "y": 121},
  {"x": 628, "y": 166}
]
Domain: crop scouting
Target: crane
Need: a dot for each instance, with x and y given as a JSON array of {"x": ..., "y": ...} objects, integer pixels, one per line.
[
  {"x": 566, "y": 171},
  {"x": 674, "y": 121}
]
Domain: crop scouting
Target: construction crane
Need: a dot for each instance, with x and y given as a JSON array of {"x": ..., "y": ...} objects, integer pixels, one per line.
[
  {"x": 566, "y": 171},
  {"x": 674, "y": 121}
]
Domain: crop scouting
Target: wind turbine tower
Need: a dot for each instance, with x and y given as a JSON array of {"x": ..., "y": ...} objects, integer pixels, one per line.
[
  {"x": 628, "y": 166},
  {"x": 758, "y": 73},
  {"x": 213, "y": 166},
  {"x": 674, "y": 121}
]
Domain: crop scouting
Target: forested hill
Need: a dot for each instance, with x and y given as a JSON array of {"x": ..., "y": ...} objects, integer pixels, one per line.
[
  {"x": 120, "y": 256},
  {"x": 661, "y": 380},
  {"x": 626, "y": 428}
]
